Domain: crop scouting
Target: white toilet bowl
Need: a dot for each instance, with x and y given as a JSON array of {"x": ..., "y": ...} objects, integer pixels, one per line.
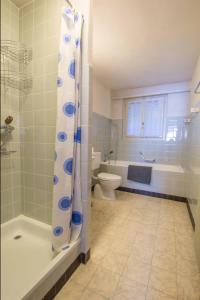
[{"x": 108, "y": 184}]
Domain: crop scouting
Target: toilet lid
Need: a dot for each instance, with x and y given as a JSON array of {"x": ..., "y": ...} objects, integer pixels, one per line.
[{"x": 108, "y": 176}]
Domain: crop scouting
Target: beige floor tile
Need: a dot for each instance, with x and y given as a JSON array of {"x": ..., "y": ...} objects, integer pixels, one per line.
[
  {"x": 84, "y": 273},
  {"x": 145, "y": 240},
  {"x": 90, "y": 295},
  {"x": 163, "y": 281},
  {"x": 123, "y": 246},
  {"x": 70, "y": 291},
  {"x": 166, "y": 226},
  {"x": 145, "y": 255},
  {"x": 186, "y": 251},
  {"x": 166, "y": 217},
  {"x": 185, "y": 231},
  {"x": 137, "y": 270},
  {"x": 188, "y": 287},
  {"x": 187, "y": 267},
  {"x": 129, "y": 290},
  {"x": 104, "y": 282},
  {"x": 147, "y": 228},
  {"x": 166, "y": 234},
  {"x": 183, "y": 240},
  {"x": 164, "y": 261},
  {"x": 97, "y": 255},
  {"x": 137, "y": 241},
  {"x": 157, "y": 295},
  {"x": 114, "y": 261},
  {"x": 166, "y": 246}
]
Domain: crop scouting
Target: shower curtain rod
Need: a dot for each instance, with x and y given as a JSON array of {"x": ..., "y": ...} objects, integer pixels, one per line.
[{"x": 69, "y": 3}]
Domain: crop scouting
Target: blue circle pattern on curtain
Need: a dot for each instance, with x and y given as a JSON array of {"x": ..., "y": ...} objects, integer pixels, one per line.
[
  {"x": 58, "y": 230},
  {"x": 67, "y": 208},
  {"x": 59, "y": 82},
  {"x": 77, "y": 218},
  {"x": 69, "y": 109},
  {"x": 77, "y": 135},
  {"x": 55, "y": 179},
  {"x": 68, "y": 11},
  {"x": 72, "y": 67},
  {"x": 62, "y": 136},
  {"x": 76, "y": 18},
  {"x": 67, "y": 38},
  {"x": 64, "y": 203},
  {"x": 77, "y": 42},
  {"x": 68, "y": 166},
  {"x": 55, "y": 155}
]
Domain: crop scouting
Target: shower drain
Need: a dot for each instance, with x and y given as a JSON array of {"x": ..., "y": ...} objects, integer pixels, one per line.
[{"x": 17, "y": 237}]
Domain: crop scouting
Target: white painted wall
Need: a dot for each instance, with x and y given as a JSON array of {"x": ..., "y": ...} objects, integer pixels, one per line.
[
  {"x": 116, "y": 109},
  {"x": 177, "y": 100},
  {"x": 101, "y": 99},
  {"x": 178, "y": 104},
  {"x": 152, "y": 90}
]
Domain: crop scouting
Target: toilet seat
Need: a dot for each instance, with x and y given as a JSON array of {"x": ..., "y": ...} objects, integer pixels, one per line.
[{"x": 108, "y": 177}]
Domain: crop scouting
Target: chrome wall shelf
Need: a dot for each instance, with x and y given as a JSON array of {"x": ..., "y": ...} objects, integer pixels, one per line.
[
  {"x": 16, "y": 80},
  {"x": 14, "y": 58},
  {"x": 16, "y": 52}
]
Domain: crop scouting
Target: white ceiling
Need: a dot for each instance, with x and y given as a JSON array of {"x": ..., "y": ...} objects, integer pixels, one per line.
[{"x": 145, "y": 42}]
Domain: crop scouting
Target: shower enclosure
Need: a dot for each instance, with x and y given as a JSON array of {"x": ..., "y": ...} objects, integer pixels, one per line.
[{"x": 29, "y": 57}]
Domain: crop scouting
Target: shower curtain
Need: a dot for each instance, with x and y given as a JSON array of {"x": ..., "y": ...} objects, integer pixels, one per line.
[{"x": 67, "y": 215}]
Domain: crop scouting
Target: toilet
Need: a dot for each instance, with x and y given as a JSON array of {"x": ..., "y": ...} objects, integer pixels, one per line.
[{"x": 107, "y": 183}]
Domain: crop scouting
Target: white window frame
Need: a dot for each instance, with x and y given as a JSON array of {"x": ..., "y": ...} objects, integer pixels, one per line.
[{"x": 142, "y": 100}]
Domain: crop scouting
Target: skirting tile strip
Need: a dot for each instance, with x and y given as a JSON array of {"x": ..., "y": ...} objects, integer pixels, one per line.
[
  {"x": 85, "y": 257},
  {"x": 190, "y": 214},
  {"x": 152, "y": 194},
  {"x": 82, "y": 258}
]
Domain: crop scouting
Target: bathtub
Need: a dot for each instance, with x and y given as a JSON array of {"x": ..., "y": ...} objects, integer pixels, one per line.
[
  {"x": 166, "y": 179},
  {"x": 28, "y": 267}
]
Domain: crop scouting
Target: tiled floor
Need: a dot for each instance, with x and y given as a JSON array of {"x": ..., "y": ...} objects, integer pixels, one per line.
[{"x": 141, "y": 249}]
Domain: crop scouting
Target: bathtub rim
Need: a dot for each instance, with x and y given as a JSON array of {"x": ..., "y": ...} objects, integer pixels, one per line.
[{"x": 155, "y": 166}]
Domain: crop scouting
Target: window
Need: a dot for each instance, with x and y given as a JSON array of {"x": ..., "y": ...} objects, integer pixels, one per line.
[{"x": 145, "y": 117}]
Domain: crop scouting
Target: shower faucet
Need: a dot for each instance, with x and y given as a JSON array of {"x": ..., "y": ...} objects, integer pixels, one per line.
[
  {"x": 145, "y": 159},
  {"x": 6, "y": 135},
  {"x": 7, "y": 125}
]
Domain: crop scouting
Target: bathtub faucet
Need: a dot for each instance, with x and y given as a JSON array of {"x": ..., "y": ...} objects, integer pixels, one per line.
[{"x": 145, "y": 159}]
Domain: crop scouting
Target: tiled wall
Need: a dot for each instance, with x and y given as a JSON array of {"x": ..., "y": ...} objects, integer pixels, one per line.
[
  {"x": 167, "y": 152},
  {"x": 27, "y": 176},
  {"x": 39, "y": 29},
  {"x": 192, "y": 160},
  {"x": 10, "y": 165},
  {"x": 101, "y": 134},
  {"x": 192, "y": 163},
  {"x": 192, "y": 169}
]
